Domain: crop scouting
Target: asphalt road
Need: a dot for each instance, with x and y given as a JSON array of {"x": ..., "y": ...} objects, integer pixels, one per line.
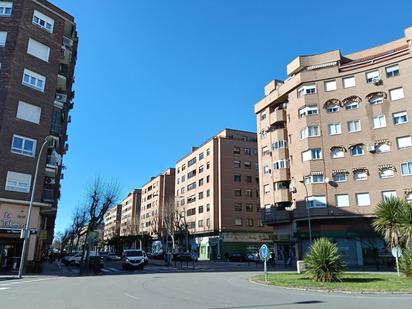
[{"x": 212, "y": 290}]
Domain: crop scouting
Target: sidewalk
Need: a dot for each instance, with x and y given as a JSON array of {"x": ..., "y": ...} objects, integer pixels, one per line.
[{"x": 48, "y": 269}]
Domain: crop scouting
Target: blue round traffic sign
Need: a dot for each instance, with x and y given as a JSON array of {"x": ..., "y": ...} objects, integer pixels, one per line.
[{"x": 264, "y": 252}]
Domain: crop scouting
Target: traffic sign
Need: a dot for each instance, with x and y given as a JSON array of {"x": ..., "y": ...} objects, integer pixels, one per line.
[
  {"x": 396, "y": 252},
  {"x": 264, "y": 252}
]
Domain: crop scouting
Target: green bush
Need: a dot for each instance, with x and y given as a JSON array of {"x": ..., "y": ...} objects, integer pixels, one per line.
[
  {"x": 323, "y": 262},
  {"x": 405, "y": 263}
]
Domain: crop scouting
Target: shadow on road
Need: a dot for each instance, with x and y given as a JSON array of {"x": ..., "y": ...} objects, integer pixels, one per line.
[{"x": 307, "y": 302}]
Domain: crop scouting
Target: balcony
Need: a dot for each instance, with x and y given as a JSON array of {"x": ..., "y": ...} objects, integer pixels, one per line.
[
  {"x": 281, "y": 174},
  {"x": 277, "y": 116},
  {"x": 60, "y": 99},
  {"x": 56, "y": 129},
  {"x": 282, "y": 195},
  {"x": 67, "y": 43},
  {"x": 48, "y": 196},
  {"x": 275, "y": 214}
]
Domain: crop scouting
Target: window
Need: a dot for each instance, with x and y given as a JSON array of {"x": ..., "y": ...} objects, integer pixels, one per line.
[
  {"x": 342, "y": 200},
  {"x": 248, "y": 179},
  {"x": 249, "y": 222},
  {"x": 6, "y": 8},
  {"x": 24, "y": 146},
  {"x": 238, "y": 221},
  {"x": 339, "y": 177},
  {"x": 182, "y": 190},
  {"x": 310, "y": 131},
  {"x": 191, "y": 212},
  {"x": 404, "y": 142},
  {"x": 392, "y": 71},
  {"x": 406, "y": 168},
  {"x": 330, "y": 85},
  {"x": 201, "y": 182},
  {"x": 349, "y": 82},
  {"x": 332, "y": 108},
  {"x": 191, "y": 199},
  {"x": 238, "y": 192},
  {"x": 310, "y": 179},
  {"x": 3, "y": 38},
  {"x": 263, "y": 116},
  {"x": 18, "y": 182},
  {"x": 248, "y": 165},
  {"x": 201, "y": 195},
  {"x": 354, "y": 126},
  {"x": 207, "y": 178},
  {"x": 248, "y": 193},
  {"x": 266, "y": 189},
  {"x": 396, "y": 94},
  {"x": 38, "y": 50},
  {"x": 237, "y": 178},
  {"x": 351, "y": 105},
  {"x": 208, "y": 152},
  {"x": 183, "y": 178},
  {"x": 265, "y": 151},
  {"x": 334, "y": 128},
  {"x": 372, "y": 77},
  {"x": 238, "y": 206},
  {"x": 266, "y": 169},
  {"x": 200, "y": 223},
  {"x": 33, "y": 80},
  {"x": 191, "y": 186},
  {"x": 316, "y": 202},
  {"x": 191, "y": 174},
  {"x": 357, "y": 150},
  {"x": 280, "y": 164},
  {"x": 236, "y": 164},
  {"x": 307, "y": 89},
  {"x": 376, "y": 99},
  {"x": 43, "y": 21},
  {"x": 308, "y": 111},
  {"x": 28, "y": 112},
  {"x": 249, "y": 207},
  {"x": 191, "y": 162},
  {"x": 388, "y": 194},
  {"x": 201, "y": 156},
  {"x": 400, "y": 118},
  {"x": 337, "y": 152},
  {"x": 207, "y": 165},
  {"x": 207, "y": 207},
  {"x": 312, "y": 154},
  {"x": 236, "y": 150},
  {"x": 201, "y": 169},
  {"x": 247, "y": 151},
  {"x": 279, "y": 144},
  {"x": 360, "y": 175},
  {"x": 386, "y": 172},
  {"x": 382, "y": 147},
  {"x": 259, "y": 223},
  {"x": 379, "y": 122},
  {"x": 362, "y": 199}
]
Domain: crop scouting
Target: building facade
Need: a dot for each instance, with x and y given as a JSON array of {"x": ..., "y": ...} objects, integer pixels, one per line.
[
  {"x": 335, "y": 139},
  {"x": 112, "y": 222},
  {"x": 130, "y": 214},
  {"x": 155, "y": 194},
  {"x": 217, "y": 195},
  {"x": 38, "y": 50}
]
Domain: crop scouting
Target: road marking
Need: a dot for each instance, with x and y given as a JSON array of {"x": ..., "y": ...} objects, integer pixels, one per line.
[
  {"x": 5, "y": 288},
  {"x": 28, "y": 281},
  {"x": 114, "y": 269},
  {"x": 131, "y": 296},
  {"x": 105, "y": 270}
]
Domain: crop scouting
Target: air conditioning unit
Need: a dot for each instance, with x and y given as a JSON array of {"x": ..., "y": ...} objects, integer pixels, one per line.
[
  {"x": 376, "y": 80},
  {"x": 371, "y": 148}
]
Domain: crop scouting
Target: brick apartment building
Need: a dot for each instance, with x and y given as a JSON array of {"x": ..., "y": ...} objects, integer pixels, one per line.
[
  {"x": 112, "y": 222},
  {"x": 38, "y": 50},
  {"x": 336, "y": 131},
  {"x": 217, "y": 194},
  {"x": 155, "y": 194},
  {"x": 130, "y": 214}
]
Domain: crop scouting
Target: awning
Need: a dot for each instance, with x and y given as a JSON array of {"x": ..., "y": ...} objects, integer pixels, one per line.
[
  {"x": 341, "y": 171},
  {"x": 407, "y": 190},
  {"x": 354, "y": 145},
  {"x": 377, "y": 94},
  {"x": 353, "y": 98},
  {"x": 360, "y": 170},
  {"x": 316, "y": 173},
  {"x": 332, "y": 102},
  {"x": 340, "y": 147},
  {"x": 386, "y": 167},
  {"x": 383, "y": 141}
]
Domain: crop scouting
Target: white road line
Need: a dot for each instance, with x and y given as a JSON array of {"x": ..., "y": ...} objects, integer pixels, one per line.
[
  {"x": 131, "y": 296},
  {"x": 114, "y": 269},
  {"x": 5, "y": 288},
  {"x": 28, "y": 281}
]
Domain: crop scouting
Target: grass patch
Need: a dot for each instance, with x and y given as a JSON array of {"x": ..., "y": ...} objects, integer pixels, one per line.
[{"x": 356, "y": 282}]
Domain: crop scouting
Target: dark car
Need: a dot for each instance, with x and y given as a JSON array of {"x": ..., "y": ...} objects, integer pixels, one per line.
[
  {"x": 184, "y": 257},
  {"x": 237, "y": 257}
]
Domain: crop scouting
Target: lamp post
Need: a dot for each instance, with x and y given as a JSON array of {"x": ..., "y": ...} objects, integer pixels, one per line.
[
  {"x": 26, "y": 231},
  {"x": 308, "y": 210}
]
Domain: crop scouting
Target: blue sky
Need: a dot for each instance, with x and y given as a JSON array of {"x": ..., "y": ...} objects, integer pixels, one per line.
[{"x": 155, "y": 77}]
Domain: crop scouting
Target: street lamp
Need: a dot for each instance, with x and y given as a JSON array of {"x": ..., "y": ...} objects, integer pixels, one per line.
[
  {"x": 26, "y": 230},
  {"x": 308, "y": 210}
]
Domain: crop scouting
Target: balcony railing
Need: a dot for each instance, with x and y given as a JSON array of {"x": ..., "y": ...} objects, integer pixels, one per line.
[
  {"x": 48, "y": 195},
  {"x": 272, "y": 215},
  {"x": 67, "y": 42}
]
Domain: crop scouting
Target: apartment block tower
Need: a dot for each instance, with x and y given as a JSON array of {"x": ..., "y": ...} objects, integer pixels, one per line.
[
  {"x": 130, "y": 214},
  {"x": 38, "y": 50},
  {"x": 335, "y": 139},
  {"x": 112, "y": 222},
  {"x": 155, "y": 194},
  {"x": 217, "y": 195}
]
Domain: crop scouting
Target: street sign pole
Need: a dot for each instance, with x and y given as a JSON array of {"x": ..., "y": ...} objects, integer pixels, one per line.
[
  {"x": 266, "y": 271},
  {"x": 264, "y": 254},
  {"x": 397, "y": 252}
]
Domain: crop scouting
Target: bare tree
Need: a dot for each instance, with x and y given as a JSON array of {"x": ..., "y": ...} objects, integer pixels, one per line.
[
  {"x": 79, "y": 221},
  {"x": 100, "y": 197},
  {"x": 170, "y": 220}
]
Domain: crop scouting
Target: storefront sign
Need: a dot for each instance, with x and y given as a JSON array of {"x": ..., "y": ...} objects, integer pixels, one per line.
[
  {"x": 12, "y": 221},
  {"x": 246, "y": 237}
]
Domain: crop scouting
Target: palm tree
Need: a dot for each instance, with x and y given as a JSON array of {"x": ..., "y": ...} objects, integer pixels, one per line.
[{"x": 394, "y": 221}]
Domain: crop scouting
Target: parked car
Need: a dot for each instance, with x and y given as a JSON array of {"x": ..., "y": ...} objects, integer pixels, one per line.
[
  {"x": 72, "y": 259},
  {"x": 146, "y": 258},
  {"x": 113, "y": 257},
  {"x": 133, "y": 258},
  {"x": 253, "y": 257},
  {"x": 184, "y": 257},
  {"x": 103, "y": 254},
  {"x": 237, "y": 257}
]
